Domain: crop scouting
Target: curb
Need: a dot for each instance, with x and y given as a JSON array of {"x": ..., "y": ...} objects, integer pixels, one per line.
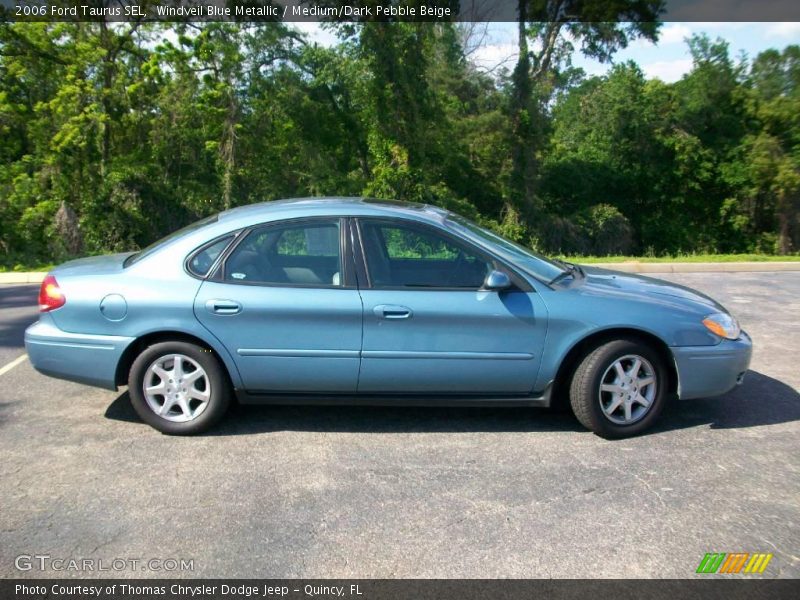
[
  {"x": 625, "y": 267},
  {"x": 22, "y": 277},
  {"x": 699, "y": 267}
]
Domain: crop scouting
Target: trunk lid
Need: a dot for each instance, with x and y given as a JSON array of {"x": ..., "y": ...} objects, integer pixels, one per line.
[{"x": 92, "y": 265}]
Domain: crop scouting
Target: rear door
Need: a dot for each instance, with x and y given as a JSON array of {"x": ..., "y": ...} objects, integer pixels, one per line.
[
  {"x": 285, "y": 304},
  {"x": 428, "y": 325}
]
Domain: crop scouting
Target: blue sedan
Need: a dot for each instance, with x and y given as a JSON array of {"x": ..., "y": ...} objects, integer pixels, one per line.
[{"x": 348, "y": 300}]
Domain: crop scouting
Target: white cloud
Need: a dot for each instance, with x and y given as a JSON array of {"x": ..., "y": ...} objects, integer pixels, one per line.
[
  {"x": 671, "y": 33},
  {"x": 592, "y": 68},
  {"x": 674, "y": 33},
  {"x": 492, "y": 56},
  {"x": 723, "y": 25},
  {"x": 787, "y": 29},
  {"x": 315, "y": 33},
  {"x": 668, "y": 70}
]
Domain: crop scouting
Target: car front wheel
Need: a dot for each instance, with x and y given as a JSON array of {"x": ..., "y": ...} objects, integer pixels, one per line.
[
  {"x": 178, "y": 388},
  {"x": 619, "y": 388}
]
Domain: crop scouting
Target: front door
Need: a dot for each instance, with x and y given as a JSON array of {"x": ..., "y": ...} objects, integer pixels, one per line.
[
  {"x": 428, "y": 325},
  {"x": 283, "y": 307}
]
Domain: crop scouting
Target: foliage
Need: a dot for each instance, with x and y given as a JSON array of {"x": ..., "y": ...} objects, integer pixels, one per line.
[
  {"x": 112, "y": 135},
  {"x": 684, "y": 258},
  {"x": 694, "y": 166}
]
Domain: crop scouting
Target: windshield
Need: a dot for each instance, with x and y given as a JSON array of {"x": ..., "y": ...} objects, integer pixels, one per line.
[
  {"x": 134, "y": 258},
  {"x": 528, "y": 260}
]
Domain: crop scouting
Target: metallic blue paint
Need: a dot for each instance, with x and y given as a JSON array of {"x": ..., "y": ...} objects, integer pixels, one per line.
[
  {"x": 357, "y": 340},
  {"x": 711, "y": 370},
  {"x": 457, "y": 341},
  {"x": 85, "y": 358},
  {"x": 288, "y": 339}
]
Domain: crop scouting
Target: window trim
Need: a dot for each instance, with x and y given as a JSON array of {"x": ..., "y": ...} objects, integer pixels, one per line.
[
  {"x": 212, "y": 269},
  {"x": 359, "y": 255},
  {"x": 519, "y": 282},
  {"x": 345, "y": 255}
]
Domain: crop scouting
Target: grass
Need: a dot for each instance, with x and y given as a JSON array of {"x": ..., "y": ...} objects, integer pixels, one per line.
[
  {"x": 27, "y": 268},
  {"x": 684, "y": 258},
  {"x": 588, "y": 260}
]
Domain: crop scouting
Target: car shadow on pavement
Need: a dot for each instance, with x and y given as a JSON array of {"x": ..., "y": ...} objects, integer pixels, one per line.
[
  {"x": 370, "y": 419},
  {"x": 760, "y": 400}
]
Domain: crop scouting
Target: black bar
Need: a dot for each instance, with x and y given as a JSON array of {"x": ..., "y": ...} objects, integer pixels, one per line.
[
  {"x": 389, "y": 10},
  {"x": 714, "y": 587}
]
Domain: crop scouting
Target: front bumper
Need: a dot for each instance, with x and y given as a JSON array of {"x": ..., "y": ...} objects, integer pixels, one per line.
[
  {"x": 705, "y": 371},
  {"x": 89, "y": 359}
]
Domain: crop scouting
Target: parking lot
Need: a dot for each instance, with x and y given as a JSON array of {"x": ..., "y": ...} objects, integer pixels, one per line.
[{"x": 410, "y": 492}]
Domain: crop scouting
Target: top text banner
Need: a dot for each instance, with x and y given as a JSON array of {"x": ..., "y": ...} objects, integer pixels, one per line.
[{"x": 398, "y": 10}]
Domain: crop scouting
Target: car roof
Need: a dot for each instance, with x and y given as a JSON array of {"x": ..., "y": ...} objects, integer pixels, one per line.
[
  {"x": 266, "y": 212},
  {"x": 318, "y": 206}
]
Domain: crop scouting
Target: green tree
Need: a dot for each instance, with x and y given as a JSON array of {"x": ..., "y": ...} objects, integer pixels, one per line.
[{"x": 548, "y": 33}]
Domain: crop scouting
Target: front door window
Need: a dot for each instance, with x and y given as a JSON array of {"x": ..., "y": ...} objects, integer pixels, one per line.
[{"x": 406, "y": 256}]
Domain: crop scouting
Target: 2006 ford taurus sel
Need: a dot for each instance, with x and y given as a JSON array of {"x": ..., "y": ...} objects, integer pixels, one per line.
[{"x": 343, "y": 300}]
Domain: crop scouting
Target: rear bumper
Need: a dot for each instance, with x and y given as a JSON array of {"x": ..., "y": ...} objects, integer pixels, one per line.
[
  {"x": 705, "y": 371},
  {"x": 88, "y": 359}
]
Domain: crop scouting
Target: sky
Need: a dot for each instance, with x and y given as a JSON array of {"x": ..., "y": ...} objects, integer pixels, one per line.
[{"x": 668, "y": 60}]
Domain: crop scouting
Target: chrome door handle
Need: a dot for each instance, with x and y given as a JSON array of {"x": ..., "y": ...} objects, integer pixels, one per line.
[
  {"x": 392, "y": 311},
  {"x": 223, "y": 307}
]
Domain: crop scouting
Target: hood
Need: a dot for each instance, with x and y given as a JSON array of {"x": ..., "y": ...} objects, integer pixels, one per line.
[
  {"x": 93, "y": 265},
  {"x": 610, "y": 283}
]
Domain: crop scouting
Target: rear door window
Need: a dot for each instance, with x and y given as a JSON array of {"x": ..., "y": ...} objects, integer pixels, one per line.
[
  {"x": 202, "y": 261},
  {"x": 306, "y": 253}
]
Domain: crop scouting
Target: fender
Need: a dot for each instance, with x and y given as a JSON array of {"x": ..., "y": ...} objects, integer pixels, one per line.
[{"x": 199, "y": 332}]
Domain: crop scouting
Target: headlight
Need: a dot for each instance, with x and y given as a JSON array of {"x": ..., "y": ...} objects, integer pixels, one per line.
[{"x": 723, "y": 325}]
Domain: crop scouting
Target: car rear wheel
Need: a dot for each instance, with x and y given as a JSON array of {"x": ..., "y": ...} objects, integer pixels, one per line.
[
  {"x": 178, "y": 388},
  {"x": 618, "y": 389}
]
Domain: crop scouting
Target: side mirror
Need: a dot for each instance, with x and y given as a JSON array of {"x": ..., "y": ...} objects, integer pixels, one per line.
[{"x": 497, "y": 281}]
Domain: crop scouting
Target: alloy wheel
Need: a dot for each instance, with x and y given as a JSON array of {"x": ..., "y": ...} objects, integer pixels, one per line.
[
  {"x": 176, "y": 388},
  {"x": 628, "y": 389}
]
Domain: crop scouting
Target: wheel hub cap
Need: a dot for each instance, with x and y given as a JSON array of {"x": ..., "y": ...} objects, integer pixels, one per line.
[
  {"x": 176, "y": 388},
  {"x": 627, "y": 389}
]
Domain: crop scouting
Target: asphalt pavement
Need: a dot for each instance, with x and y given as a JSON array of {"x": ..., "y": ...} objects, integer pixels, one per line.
[
  {"x": 17, "y": 310},
  {"x": 406, "y": 492}
]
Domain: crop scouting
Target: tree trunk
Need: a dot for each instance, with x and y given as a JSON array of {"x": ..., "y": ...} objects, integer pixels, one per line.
[
  {"x": 66, "y": 224},
  {"x": 523, "y": 166},
  {"x": 227, "y": 149},
  {"x": 787, "y": 223},
  {"x": 105, "y": 98}
]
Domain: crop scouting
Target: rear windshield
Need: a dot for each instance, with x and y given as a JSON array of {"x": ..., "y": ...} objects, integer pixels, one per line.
[{"x": 134, "y": 258}]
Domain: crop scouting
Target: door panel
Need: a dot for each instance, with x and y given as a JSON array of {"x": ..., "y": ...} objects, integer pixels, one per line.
[
  {"x": 283, "y": 311},
  {"x": 453, "y": 342},
  {"x": 419, "y": 339},
  {"x": 287, "y": 339}
]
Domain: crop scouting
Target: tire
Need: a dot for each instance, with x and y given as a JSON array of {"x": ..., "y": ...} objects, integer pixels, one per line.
[
  {"x": 178, "y": 402},
  {"x": 625, "y": 405}
]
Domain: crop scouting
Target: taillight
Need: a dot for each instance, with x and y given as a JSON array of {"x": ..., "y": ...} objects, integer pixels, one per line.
[{"x": 50, "y": 296}]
